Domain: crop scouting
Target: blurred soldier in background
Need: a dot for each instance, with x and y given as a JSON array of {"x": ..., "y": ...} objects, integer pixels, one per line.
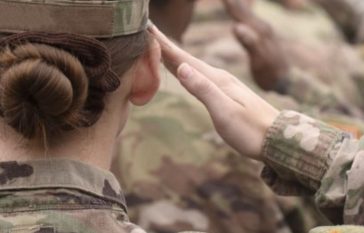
[
  {"x": 228, "y": 195},
  {"x": 172, "y": 16},
  {"x": 272, "y": 70},
  {"x": 166, "y": 180},
  {"x": 189, "y": 173},
  {"x": 348, "y": 15}
]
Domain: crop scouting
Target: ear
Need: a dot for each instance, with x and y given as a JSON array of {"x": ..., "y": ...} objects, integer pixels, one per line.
[{"x": 146, "y": 79}]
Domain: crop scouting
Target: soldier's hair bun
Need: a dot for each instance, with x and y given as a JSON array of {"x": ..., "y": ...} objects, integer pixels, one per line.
[{"x": 42, "y": 89}]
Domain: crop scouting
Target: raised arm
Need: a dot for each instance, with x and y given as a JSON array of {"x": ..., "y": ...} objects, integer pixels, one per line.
[{"x": 304, "y": 156}]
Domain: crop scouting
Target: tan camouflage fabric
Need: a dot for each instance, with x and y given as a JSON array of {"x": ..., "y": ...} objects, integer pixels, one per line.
[
  {"x": 338, "y": 229},
  {"x": 348, "y": 15},
  {"x": 326, "y": 74},
  {"x": 178, "y": 174},
  {"x": 100, "y": 19},
  {"x": 343, "y": 94},
  {"x": 59, "y": 195},
  {"x": 307, "y": 157},
  {"x": 172, "y": 161},
  {"x": 335, "y": 95},
  {"x": 171, "y": 158},
  {"x": 46, "y": 196}
]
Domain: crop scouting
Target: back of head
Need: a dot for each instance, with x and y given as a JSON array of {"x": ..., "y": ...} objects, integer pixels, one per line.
[
  {"x": 57, "y": 80},
  {"x": 41, "y": 88}
]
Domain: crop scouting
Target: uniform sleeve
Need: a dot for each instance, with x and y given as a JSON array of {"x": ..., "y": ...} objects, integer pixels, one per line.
[
  {"x": 309, "y": 90},
  {"x": 305, "y": 157},
  {"x": 347, "y": 15}
]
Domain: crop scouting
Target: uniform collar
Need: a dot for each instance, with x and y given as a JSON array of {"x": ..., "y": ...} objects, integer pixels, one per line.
[{"x": 60, "y": 173}]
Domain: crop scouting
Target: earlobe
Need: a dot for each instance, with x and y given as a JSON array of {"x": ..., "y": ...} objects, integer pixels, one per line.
[{"x": 146, "y": 78}]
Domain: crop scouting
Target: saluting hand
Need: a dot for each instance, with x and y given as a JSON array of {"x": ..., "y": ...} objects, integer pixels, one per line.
[{"x": 240, "y": 116}]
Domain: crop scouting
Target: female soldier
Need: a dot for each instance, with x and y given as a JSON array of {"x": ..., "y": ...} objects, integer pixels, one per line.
[{"x": 64, "y": 101}]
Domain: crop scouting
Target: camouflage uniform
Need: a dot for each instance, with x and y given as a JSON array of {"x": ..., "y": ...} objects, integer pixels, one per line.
[
  {"x": 330, "y": 99},
  {"x": 178, "y": 173},
  {"x": 348, "y": 15},
  {"x": 173, "y": 165},
  {"x": 171, "y": 159},
  {"x": 68, "y": 196},
  {"x": 100, "y": 19},
  {"x": 306, "y": 157},
  {"x": 49, "y": 196},
  {"x": 62, "y": 195},
  {"x": 299, "y": 150},
  {"x": 342, "y": 96},
  {"x": 324, "y": 71},
  {"x": 325, "y": 75}
]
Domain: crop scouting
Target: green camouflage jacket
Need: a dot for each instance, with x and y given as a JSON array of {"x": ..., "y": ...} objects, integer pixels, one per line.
[
  {"x": 173, "y": 166},
  {"x": 67, "y": 196},
  {"x": 49, "y": 196},
  {"x": 326, "y": 73},
  {"x": 342, "y": 94},
  {"x": 306, "y": 157}
]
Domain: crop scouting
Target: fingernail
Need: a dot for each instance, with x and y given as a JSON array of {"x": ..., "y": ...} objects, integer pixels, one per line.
[
  {"x": 150, "y": 26},
  {"x": 184, "y": 71}
]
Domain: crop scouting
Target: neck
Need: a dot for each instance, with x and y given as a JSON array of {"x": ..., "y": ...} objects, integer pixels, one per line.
[
  {"x": 94, "y": 145},
  {"x": 81, "y": 146}
]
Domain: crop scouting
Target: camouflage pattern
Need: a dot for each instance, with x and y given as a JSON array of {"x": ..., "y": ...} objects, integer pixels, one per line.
[
  {"x": 348, "y": 15},
  {"x": 48, "y": 196},
  {"x": 338, "y": 229},
  {"x": 326, "y": 75},
  {"x": 171, "y": 159},
  {"x": 334, "y": 95},
  {"x": 306, "y": 157},
  {"x": 91, "y": 18},
  {"x": 343, "y": 95},
  {"x": 323, "y": 72},
  {"x": 173, "y": 162}
]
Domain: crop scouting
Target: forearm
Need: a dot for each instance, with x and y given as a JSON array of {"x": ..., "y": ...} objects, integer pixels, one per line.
[
  {"x": 305, "y": 156},
  {"x": 296, "y": 148}
]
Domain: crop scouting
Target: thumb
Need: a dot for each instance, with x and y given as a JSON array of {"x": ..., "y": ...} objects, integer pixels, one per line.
[
  {"x": 201, "y": 87},
  {"x": 246, "y": 36}
]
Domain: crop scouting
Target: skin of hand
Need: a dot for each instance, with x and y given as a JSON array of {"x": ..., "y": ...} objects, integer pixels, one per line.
[
  {"x": 268, "y": 60},
  {"x": 239, "y": 115}
]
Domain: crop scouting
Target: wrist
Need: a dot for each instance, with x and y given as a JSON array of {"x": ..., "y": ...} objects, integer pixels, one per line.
[
  {"x": 268, "y": 121},
  {"x": 297, "y": 147},
  {"x": 262, "y": 120}
]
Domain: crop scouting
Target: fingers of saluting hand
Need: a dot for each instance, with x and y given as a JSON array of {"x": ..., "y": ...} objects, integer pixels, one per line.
[
  {"x": 239, "y": 115},
  {"x": 202, "y": 88},
  {"x": 173, "y": 56}
]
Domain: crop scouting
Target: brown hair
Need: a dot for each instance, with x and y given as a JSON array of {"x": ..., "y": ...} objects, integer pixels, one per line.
[{"x": 45, "y": 89}]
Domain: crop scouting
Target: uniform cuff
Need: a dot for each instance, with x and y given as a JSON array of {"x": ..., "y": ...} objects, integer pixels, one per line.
[{"x": 298, "y": 151}]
